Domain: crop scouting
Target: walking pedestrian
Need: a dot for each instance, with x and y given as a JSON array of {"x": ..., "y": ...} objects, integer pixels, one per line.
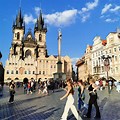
[
  {"x": 70, "y": 102},
  {"x": 93, "y": 99},
  {"x": 12, "y": 91},
  {"x": 81, "y": 94},
  {"x": 29, "y": 87},
  {"x": 40, "y": 87},
  {"x": 45, "y": 90}
]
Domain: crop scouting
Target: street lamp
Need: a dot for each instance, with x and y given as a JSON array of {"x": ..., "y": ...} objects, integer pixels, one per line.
[{"x": 106, "y": 60}]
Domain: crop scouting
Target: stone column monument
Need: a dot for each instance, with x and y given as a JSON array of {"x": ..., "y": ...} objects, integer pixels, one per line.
[
  {"x": 59, "y": 75},
  {"x": 59, "y": 63}
]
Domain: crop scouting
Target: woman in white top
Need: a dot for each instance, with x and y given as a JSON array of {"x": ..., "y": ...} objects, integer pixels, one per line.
[{"x": 70, "y": 102}]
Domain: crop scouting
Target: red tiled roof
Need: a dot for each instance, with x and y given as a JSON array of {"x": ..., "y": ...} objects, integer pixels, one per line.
[{"x": 80, "y": 62}]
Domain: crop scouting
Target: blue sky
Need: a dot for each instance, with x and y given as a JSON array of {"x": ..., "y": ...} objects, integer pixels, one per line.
[{"x": 79, "y": 20}]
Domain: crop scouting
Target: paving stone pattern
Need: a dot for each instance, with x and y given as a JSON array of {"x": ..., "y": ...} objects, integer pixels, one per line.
[{"x": 37, "y": 107}]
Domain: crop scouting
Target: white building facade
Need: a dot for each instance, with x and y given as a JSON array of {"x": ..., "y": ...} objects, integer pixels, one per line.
[{"x": 107, "y": 48}]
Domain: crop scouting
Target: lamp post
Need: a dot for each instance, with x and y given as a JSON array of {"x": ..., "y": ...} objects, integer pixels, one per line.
[{"x": 106, "y": 61}]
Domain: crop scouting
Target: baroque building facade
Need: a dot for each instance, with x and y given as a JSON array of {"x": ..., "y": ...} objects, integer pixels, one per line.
[
  {"x": 84, "y": 65},
  {"x": 109, "y": 49},
  {"x": 28, "y": 57}
]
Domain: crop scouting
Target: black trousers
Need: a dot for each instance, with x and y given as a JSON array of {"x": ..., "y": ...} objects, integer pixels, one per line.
[
  {"x": 93, "y": 101},
  {"x": 11, "y": 96}
]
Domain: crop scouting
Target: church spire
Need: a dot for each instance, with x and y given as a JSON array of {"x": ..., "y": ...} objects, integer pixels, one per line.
[
  {"x": 19, "y": 21},
  {"x": 39, "y": 25}
]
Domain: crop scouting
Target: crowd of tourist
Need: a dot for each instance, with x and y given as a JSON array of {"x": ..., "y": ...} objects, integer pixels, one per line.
[{"x": 43, "y": 87}]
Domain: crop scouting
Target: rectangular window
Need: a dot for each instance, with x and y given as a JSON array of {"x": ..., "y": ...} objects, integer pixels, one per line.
[
  {"x": 33, "y": 72},
  {"x": 116, "y": 69},
  {"x": 16, "y": 71},
  {"x": 119, "y": 48},
  {"x": 25, "y": 72},
  {"x": 43, "y": 72},
  {"x": 114, "y": 49},
  {"x": 12, "y": 72},
  {"x": 115, "y": 58},
  {"x": 7, "y": 71},
  {"x": 109, "y": 51}
]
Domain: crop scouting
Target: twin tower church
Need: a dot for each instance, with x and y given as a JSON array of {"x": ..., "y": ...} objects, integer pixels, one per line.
[{"x": 28, "y": 57}]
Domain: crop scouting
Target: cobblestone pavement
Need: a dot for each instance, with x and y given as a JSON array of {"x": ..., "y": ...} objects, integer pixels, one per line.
[{"x": 37, "y": 107}]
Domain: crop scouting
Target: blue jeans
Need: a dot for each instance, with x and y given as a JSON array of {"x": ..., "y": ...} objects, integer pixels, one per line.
[{"x": 80, "y": 103}]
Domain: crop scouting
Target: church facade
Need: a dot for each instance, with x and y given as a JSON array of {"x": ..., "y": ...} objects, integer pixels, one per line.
[{"x": 28, "y": 57}]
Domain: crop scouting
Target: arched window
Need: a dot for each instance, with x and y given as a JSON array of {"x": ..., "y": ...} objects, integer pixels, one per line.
[
  {"x": 18, "y": 35},
  {"x": 28, "y": 53},
  {"x": 16, "y": 78},
  {"x": 40, "y": 37}
]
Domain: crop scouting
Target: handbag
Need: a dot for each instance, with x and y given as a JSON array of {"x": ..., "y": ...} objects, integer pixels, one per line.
[{"x": 93, "y": 93}]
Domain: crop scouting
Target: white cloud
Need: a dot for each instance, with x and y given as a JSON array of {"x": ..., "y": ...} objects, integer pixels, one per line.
[
  {"x": 29, "y": 18},
  {"x": 92, "y": 5},
  {"x": 112, "y": 10},
  {"x": 111, "y": 20},
  {"x": 117, "y": 8},
  {"x": 106, "y": 8},
  {"x": 85, "y": 17},
  {"x": 84, "y": 12},
  {"x": 64, "y": 18},
  {"x": 89, "y": 6},
  {"x": 61, "y": 18}
]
